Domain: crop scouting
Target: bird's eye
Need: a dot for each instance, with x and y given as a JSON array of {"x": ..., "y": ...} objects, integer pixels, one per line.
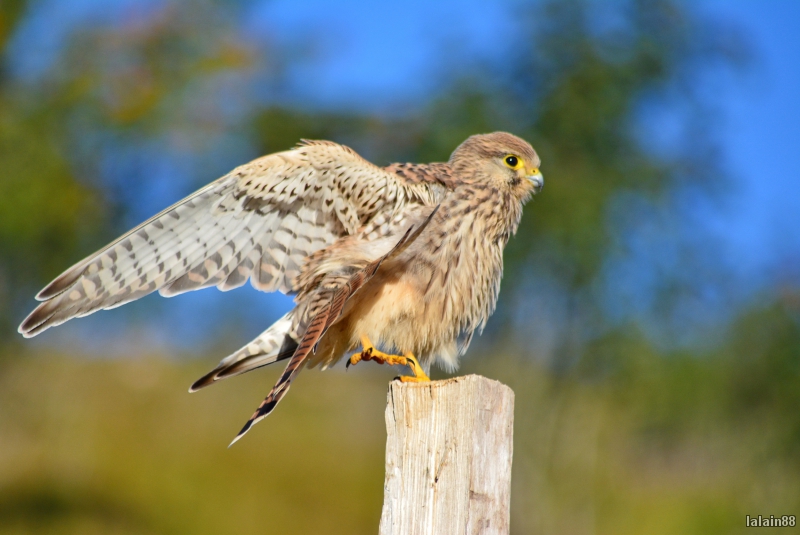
[{"x": 512, "y": 161}]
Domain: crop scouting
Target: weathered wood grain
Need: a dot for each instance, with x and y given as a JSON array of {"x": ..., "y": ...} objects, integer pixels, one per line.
[{"x": 448, "y": 457}]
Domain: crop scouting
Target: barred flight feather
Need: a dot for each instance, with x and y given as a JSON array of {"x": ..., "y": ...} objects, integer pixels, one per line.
[{"x": 260, "y": 222}]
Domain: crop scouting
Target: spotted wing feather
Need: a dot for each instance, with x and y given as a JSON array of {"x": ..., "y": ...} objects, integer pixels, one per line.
[{"x": 259, "y": 222}]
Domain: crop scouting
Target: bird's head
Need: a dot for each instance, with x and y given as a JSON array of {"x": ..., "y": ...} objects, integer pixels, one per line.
[{"x": 500, "y": 159}]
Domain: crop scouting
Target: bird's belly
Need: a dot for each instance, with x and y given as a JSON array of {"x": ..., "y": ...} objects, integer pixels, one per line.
[
  {"x": 387, "y": 311},
  {"x": 391, "y": 312}
]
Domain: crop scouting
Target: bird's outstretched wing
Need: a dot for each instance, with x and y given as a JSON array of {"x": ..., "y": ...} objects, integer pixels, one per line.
[
  {"x": 321, "y": 322},
  {"x": 258, "y": 222}
]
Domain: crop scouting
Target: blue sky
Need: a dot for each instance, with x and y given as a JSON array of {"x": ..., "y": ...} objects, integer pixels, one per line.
[
  {"x": 387, "y": 56},
  {"x": 382, "y": 54},
  {"x": 761, "y": 135},
  {"x": 366, "y": 64}
]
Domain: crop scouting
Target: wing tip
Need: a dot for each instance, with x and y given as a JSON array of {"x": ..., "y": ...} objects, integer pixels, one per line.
[
  {"x": 26, "y": 329},
  {"x": 25, "y": 332},
  {"x": 50, "y": 291},
  {"x": 204, "y": 381},
  {"x": 37, "y": 321},
  {"x": 63, "y": 282}
]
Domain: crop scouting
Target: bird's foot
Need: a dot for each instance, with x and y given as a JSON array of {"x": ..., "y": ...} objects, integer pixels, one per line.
[
  {"x": 419, "y": 374},
  {"x": 369, "y": 352}
]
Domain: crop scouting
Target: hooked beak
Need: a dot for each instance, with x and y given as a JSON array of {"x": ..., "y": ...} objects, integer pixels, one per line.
[{"x": 536, "y": 178}]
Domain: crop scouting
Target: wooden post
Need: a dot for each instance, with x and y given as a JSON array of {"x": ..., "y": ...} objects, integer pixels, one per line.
[{"x": 448, "y": 457}]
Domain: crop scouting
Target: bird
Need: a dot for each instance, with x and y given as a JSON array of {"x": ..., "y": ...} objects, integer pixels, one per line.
[{"x": 407, "y": 257}]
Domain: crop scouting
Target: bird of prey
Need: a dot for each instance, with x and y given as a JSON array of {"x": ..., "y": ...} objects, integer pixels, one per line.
[{"x": 406, "y": 257}]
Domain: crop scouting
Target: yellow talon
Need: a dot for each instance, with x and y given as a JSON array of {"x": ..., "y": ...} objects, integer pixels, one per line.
[
  {"x": 369, "y": 352},
  {"x": 419, "y": 374}
]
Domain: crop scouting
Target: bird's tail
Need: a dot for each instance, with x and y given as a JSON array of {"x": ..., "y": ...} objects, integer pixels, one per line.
[
  {"x": 274, "y": 344},
  {"x": 320, "y": 324}
]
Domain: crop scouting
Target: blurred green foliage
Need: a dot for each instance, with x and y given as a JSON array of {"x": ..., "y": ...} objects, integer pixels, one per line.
[
  {"x": 616, "y": 435},
  {"x": 661, "y": 445},
  {"x": 44, "y": 210},
  {"x": 112, "y": 85}
]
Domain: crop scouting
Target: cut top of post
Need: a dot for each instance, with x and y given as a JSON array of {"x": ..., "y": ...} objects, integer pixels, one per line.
[{"x": 448, "y": 457}]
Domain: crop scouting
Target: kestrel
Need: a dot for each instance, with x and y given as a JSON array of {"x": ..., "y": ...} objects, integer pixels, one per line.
[{"x": 406, "y": 257}]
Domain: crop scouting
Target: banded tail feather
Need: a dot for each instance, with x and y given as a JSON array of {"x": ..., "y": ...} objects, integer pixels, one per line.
[
  {"x": 280, "y": 389},
  {"x": 320, "y": 324},
  {"x": 274, "y": 344}
]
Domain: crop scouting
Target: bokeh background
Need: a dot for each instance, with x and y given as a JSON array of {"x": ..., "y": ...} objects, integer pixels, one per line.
[{"x": 649, "y": 320}]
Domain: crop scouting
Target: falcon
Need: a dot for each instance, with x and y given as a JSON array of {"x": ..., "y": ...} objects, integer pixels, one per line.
[{"x": 407, "y": 257}]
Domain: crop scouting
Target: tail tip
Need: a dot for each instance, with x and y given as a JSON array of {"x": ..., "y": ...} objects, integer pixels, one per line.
[{"x": 242, "y": 433}]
